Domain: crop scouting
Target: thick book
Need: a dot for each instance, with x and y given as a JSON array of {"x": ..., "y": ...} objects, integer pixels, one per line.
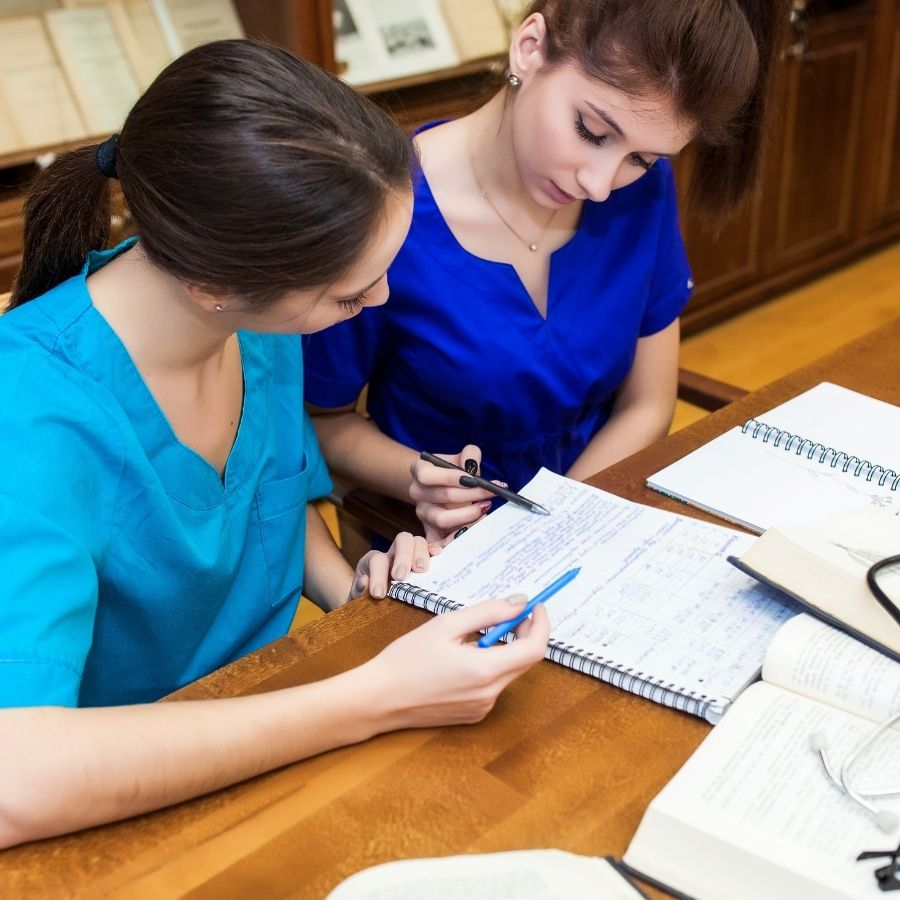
[
  {"x": 535, "y": 874},
  {"x": 827, "y": 450},
  {"x": 823, "y": 566},
  {"x": 656, "y": 610},
  {"x": 751, "y": 814}
]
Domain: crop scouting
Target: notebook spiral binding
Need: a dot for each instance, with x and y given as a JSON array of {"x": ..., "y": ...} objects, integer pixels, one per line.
[
  {"x": 635, "y": 682},
  {"x": 822, "y": 454}
]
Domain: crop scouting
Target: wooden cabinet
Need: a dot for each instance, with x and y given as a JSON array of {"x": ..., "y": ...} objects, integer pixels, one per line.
[{"x": 832, "y": 172}]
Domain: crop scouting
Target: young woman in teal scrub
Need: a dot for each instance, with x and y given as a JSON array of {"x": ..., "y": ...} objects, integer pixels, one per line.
[
  {"x": 156, "y": 466},
  {"x": 534, "y": 305}
]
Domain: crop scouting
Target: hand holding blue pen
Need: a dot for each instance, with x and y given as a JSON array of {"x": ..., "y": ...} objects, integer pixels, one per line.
[{"x": 498, "y": 631}]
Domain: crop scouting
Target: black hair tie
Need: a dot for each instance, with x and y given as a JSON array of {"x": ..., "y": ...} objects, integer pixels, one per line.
[{"x": 106, "y": 156}]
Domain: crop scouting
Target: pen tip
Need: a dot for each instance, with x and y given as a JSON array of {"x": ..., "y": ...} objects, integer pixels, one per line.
[{"x": 540, "y": 510}]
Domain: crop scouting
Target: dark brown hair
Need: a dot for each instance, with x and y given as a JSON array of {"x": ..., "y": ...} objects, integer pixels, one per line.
[
  {"x": 715, "y": 58},
  {"x": 245, "y": 168}
]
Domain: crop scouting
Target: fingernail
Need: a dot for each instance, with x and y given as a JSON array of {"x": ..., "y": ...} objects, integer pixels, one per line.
[
  {"x": 421, "y": 562},
  {"x": 503, "y": 484},
  {"x": 378, "y": 592},
  {"x": 461, "y": 531},
  {"x": 471, "y": 466},
  {"x": 516, "y": 599},
  {"x": 399, "y": 572},
  {"x": 485, "y": 508},
  {"x": 467, "y": 481}
]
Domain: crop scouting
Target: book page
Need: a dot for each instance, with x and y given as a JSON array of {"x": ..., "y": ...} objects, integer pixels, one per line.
[
  {"x": 477, "y": 28},
  {"x": 751, "y": 814},
  {"x": 186, "y": 24},
  {"x": 516, "y": 875},
  {"x": 35, "y": 92},
  {"x": 824, "y": 565},
  {"x": 755, "y": 483},
  {"x": 811, "y": 658},
  {"x": 655, "y": 593},
  {"x": 95, "y": 64},
  {"x": 9, "y": 137}
]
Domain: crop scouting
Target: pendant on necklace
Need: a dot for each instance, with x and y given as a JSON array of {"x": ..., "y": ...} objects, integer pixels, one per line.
[{"x": 533, "y": 248}]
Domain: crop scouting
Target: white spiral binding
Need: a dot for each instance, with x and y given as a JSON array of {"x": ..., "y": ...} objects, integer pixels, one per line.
[
  {"x": 655, "y": 689},
  {"x": 821, "y": 453}
]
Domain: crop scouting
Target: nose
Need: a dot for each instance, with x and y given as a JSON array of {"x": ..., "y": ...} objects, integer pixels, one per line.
[
  {"x": 378, "y": 293},
  {"x": 596, "y": 180}
]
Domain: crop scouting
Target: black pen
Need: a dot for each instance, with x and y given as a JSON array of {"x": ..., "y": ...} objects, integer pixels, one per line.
[{"x": 468, "y": 480}]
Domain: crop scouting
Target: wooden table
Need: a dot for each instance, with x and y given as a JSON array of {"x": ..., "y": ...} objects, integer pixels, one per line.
[{"x": 563, "y": 760}]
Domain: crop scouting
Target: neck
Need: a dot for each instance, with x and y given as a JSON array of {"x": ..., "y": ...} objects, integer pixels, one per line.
[
  {"x": 153, "y": 316},
  {"x": 491, "y": 146}
]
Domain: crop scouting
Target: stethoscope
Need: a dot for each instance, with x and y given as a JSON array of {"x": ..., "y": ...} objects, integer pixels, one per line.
[{"x": 885, "y": 819}]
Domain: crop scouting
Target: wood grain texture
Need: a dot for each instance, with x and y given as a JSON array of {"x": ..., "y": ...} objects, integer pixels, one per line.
[{"x": 563, "y": 761}]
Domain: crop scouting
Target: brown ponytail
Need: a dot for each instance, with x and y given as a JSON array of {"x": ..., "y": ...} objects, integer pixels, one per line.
[
  {"x": 245, "y": 169},
  {"x": 66, "y": 215},
  {"x": 715, "y": 58}
]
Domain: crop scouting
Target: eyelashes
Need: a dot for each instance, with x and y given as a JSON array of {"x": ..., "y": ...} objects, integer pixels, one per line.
[
  {"x": 600, "y": 140},
  {"x": 354, "y": 304}
]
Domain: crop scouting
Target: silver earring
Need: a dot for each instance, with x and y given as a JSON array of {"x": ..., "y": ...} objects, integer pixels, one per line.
[
  {"x": 513, "y": 79},
  {"x": 218, "y": 307}
]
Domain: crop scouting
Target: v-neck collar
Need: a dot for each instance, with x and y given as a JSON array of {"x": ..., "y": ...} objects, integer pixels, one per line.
[{"x": 187, "y": 476}]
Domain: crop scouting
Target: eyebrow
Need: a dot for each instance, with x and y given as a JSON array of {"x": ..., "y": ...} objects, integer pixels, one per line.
[{"x": 615, "y": 127}]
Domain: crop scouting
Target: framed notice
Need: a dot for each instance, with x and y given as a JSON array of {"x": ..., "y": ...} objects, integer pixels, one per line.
[
  {"x": 37, "y": 98},
  {"x": 186, "y": 24},
  {"x": 401, "y": 37},
  {"x": 105, "y": 88}
]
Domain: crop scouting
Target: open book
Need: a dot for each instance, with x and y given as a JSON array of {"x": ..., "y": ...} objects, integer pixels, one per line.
[
  {"x": 656, "y": 610},
  {"x": 823, "y": 566},
  {"x": 827, "y": 449},
  {"x": 751, "y": 814},
  {"x": 516, "y": 875}
]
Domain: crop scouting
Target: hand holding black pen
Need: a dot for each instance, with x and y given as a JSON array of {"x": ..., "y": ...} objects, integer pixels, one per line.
[{"x": 469, "y": 480}]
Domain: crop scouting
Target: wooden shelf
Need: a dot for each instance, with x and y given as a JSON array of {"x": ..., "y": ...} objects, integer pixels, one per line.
[{"x": 491, "y": 64}]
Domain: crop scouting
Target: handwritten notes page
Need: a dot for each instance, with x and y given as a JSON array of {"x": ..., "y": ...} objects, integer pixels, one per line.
[
  {"x": 751, "y": 814},
  {"x": 812, "y": 658},
  {"x": 655, "y": 593}
]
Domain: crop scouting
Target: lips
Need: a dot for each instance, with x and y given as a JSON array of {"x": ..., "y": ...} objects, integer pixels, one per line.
[{"x": 558, "y": 194}]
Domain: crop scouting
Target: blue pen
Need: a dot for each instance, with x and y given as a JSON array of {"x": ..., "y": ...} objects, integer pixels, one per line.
[{"x": 498, "y": 631}]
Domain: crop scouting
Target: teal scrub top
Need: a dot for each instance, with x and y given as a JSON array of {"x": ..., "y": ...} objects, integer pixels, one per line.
[{"x": 128, "y": 567}]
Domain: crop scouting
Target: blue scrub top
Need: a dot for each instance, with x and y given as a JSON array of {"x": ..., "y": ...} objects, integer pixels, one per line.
[
  {"x": 460, "y": 354},
  {"x": 128, "y": 567}
]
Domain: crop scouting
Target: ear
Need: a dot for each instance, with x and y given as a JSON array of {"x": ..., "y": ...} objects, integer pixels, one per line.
[
  {"x": 209, "y": 299},
  {"x": 526, "y": 50}
]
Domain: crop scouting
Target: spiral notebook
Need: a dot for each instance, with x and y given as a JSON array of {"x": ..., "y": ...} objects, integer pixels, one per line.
[
  {"x": 657, "y": 609},
  {"x": 827, "y": 450}
]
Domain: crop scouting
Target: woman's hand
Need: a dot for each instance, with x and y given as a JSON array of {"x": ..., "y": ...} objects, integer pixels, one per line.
[
  {"x": 376, "y": 570},
  {"x": 443, "y": 505},
  {"x": 436, "y": 676}
]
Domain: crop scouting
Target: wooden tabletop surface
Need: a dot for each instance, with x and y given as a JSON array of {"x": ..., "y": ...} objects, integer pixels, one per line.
[{"x": 563, "y": 760}]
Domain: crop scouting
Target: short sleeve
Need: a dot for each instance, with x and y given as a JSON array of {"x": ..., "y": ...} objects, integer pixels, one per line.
[
  {"x": 339, "y": 361},
  {"x": 55, "y": 510},
  {"x": 318, "y": 478},
  {"x": 671, "y": 283}
]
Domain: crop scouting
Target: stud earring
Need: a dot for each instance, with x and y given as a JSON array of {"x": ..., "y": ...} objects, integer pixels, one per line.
[
  {"x": 513, "y": 79},
  {"x": 218, "y": 307}
]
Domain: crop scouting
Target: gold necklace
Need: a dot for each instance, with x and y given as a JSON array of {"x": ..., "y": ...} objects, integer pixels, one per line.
[{"x": 533, "y": 246}]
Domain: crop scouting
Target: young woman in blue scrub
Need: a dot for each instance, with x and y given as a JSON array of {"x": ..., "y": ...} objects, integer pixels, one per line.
[
  {"x": 534, "y": 305},
  {"x": 156, "y": 466}
]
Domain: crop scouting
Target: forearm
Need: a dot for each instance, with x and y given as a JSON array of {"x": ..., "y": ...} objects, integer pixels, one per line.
[
  {"x": 627, "y": 431},
  {"x": 327, "y": 575},
  {"x": 359, "y": 452},
  {"x": 66, "y": 769}
]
